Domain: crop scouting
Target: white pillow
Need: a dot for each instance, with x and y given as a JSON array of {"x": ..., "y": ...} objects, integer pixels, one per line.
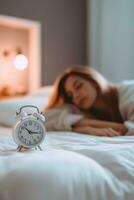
[
  {"x": 9, "y": 107},
  {"x": 43, "y": 91}
]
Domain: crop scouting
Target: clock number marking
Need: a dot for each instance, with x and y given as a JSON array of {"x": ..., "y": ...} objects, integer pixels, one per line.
[{"x": 30, "y": 123}]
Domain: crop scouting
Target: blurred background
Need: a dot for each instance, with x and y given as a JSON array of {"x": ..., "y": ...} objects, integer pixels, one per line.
[{"x": 99, "y": 33}]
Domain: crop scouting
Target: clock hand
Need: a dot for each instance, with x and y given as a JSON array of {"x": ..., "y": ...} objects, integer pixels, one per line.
[
  {"x": 32, "y": 132},
  {"x": 27, "y": 130}
]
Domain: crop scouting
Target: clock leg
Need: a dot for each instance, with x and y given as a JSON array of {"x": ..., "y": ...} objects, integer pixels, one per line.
[{"x": 19, "y": 148}]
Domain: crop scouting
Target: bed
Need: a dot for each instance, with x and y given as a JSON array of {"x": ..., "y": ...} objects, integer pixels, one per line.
[{"x": 71, "y": 166}]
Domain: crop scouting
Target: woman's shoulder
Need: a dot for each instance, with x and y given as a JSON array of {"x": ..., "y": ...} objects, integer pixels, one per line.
[{"x": 62, "y": 117}]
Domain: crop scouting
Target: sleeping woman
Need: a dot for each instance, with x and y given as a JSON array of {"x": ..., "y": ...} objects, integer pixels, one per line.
[{"x": 84, "y": 101}]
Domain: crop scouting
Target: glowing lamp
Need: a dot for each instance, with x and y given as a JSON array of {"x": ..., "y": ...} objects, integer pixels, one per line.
[{"x": 20, "y": 62}]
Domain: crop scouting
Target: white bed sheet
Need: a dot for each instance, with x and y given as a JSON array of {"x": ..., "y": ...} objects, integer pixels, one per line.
[{"x": 71, "y": 166}]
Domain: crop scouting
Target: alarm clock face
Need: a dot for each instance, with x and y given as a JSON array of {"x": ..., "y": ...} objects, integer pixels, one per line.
[{"x": 29, "y": 132}]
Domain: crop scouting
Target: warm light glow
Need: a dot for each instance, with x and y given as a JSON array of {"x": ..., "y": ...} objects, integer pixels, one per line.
[{"x": 20, "y": 62}]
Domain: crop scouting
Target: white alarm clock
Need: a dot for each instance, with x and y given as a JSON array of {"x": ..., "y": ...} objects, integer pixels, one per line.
[{"x": 29, "y": 131}]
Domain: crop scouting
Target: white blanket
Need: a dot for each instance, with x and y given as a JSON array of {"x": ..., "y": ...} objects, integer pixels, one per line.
[{"x": 71, "y": 167}]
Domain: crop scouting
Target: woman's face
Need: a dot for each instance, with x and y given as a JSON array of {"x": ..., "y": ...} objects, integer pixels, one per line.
[{"x": 82, "y": 92}]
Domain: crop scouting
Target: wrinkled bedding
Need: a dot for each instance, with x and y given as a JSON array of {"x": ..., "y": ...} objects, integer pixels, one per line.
[{"x": 71, "y": 166}]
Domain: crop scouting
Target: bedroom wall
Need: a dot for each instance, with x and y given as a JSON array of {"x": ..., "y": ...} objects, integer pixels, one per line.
[
  {"x": 111, "y": 38},
  {"x": 63, "y": 31}
]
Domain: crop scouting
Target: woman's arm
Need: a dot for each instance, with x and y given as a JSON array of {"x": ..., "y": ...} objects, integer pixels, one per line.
[
  {"x": 61, "y": 118},
  {"x": 96, "y": 131},
  {"x": 121, "y": 128}
]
